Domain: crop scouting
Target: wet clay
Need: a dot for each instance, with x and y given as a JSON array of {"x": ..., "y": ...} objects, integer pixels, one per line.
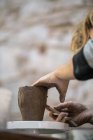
[{"x": 32, "y": 102}]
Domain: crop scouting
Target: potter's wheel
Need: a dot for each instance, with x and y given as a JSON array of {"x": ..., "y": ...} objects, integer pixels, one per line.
[{"x": 37, "y": 127}]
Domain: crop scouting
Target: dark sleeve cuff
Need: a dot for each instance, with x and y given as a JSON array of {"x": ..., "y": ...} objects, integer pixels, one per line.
[{"x": 82, "y": 71}]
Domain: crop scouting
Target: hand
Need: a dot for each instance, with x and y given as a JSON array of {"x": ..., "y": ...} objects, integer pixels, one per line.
[
  {"x": 74, "y": 112},
  {"x": 51, "y": 80}
]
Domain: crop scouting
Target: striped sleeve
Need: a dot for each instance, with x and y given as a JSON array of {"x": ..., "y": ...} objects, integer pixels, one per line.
[{"x": 83, "y": 62}]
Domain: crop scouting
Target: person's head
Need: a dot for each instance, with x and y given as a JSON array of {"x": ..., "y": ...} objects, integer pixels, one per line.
[{"x": 81, "y": 35}]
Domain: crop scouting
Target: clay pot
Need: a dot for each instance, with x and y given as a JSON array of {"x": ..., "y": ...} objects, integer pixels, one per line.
[{"x": 32, "y": 102}]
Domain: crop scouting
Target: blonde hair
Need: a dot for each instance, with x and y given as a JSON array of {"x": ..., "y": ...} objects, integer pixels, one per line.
[{"x": 81, "y": 34}]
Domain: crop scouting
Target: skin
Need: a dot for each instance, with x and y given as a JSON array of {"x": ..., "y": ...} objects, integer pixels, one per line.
[
  {"x": 60, "y": 78},
  {"x": 77, "y": 112},
  {"x": 91, "y": 33}
]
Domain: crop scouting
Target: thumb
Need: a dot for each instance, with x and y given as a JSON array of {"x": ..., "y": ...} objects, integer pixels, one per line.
[{"x": 62, "y": 89}]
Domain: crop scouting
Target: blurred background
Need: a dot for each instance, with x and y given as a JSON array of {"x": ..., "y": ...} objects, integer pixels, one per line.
[{"x": 35, "y": 38}]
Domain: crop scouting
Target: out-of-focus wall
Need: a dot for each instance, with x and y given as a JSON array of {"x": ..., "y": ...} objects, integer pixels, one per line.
[{"x": 35, "y": 37}]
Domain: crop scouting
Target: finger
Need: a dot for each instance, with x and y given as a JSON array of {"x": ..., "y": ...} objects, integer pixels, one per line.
[
  {"x": 53, "y": 110},
  {"x": 63, "y": 105},
  {"x": 62, "y": 88},
  {"x": 61, "y": 116},
  {"x": 38, "y": 82},
  {"x": 70, "y": 122},
  {"x": 53, "y": 116},
  {"x": 65, "y": 110},
  {"x": 44, "y": 81}
]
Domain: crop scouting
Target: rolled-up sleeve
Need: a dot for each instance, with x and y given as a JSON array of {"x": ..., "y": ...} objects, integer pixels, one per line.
[{"x": 83, "y": 62}]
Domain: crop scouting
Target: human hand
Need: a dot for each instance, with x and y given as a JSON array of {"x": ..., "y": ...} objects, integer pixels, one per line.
[
  {"x": 74, "y": 112},
  {"x": 51, "y": 80}
]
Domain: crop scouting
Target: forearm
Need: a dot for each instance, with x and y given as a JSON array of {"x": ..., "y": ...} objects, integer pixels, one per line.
[
  {"x": 65, "y": 72},
  {"x": 80, "y": 66}
]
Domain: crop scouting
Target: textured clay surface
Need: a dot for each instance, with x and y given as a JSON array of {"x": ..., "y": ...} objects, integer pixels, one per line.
[{"x": 32, "y": 102}]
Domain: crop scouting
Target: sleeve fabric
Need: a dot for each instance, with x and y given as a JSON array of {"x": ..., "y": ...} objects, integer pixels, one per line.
[{"x": 83, "y": 62}]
